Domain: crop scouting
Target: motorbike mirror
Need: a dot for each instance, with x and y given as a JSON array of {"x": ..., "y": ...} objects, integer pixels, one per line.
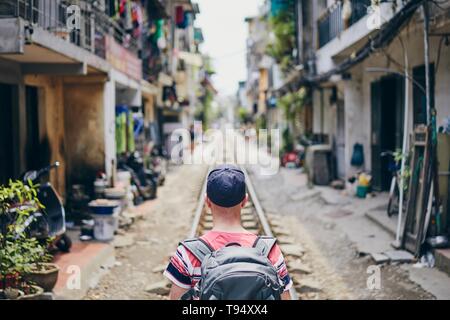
[{"x": 30, "y": 175}]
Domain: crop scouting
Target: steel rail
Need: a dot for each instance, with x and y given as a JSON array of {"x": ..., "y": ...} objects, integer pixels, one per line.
[
  {"x": 262, "y": 218},
  {"x": 200, "y": 207}
]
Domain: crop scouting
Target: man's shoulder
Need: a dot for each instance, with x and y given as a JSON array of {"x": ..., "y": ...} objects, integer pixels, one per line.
[{"x": 217, "y": 239}]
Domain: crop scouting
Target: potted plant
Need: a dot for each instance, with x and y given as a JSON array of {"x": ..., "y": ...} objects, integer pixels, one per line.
[
  {"x": 16, "y": 259},
  {"x": 42, "y": 272},
  {"x": 18, "y": 252}
]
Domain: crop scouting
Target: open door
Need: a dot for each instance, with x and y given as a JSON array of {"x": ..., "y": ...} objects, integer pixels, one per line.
[
  {"x": 376, "y": 134},
  {"x": 8, "y": 158},
  {"x": 387, "y": 127},
  {"x": 340, "y": 140}
]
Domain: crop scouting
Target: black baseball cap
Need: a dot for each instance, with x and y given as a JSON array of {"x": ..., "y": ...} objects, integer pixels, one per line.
[{"x": 226, "y": 186}]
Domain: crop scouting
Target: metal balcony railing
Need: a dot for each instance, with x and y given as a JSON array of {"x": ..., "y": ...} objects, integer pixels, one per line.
[
  {"x": 51, "y": 15},
  {"x": 331, "y": 24}
]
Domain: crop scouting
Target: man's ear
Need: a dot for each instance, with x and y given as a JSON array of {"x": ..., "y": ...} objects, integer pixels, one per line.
[
  {"x": 244, "y": 202},
  {"x": 207, "y": 201}
]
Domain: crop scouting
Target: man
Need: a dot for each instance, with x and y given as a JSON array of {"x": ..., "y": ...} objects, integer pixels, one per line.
[{"x": 225, "y": 196}]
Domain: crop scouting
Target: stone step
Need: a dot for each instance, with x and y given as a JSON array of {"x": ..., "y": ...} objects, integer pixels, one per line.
[
  {"x": 247, "y": 211},
  {"x": 254, "y": 230},
  {"x": 207, "y": 225},
  {"x": 247, "y": 217},
  {"x": 443, "y": 260},
  {"x": 293, "y": 250},
  {"x": 250, "y": 224}
]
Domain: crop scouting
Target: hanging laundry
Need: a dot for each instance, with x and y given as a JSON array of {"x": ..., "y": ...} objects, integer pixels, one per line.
[
  {"x": 121, "y": 130},
  {"x": 122, "y": 8},
  {"x": 126, "y": 15},
  {"x": 130, "y": 133},
  {"x": 137, "y": 18},
  {"x": 187, "y": 19},
  {"x": 159, "y": 32},
  {"x": 179, "y": 17}
]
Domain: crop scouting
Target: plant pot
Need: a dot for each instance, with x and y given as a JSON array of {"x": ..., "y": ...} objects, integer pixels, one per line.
[
  {"x": 35, "y": 294},
  {"x": 11, "y": 294},
  {"x": 46, "y": 279}
]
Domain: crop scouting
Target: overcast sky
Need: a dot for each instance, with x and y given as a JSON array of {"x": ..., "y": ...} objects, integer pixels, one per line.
[{"x": 225, "y": 32}]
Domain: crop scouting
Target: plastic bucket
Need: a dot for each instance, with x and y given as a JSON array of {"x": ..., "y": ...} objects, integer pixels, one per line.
[
  {"x": 361, "y": 192},
  {"x": 105, "y": 226},
  {"x": 110, "y": 208}
]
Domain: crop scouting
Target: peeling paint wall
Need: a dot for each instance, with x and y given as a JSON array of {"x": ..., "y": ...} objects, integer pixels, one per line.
[
  {"x": 51, "y": 107},
  {"x": 357, "y": 91},
  {"x": 322, "y": 115},
  {"x": 84, "y": 128}
]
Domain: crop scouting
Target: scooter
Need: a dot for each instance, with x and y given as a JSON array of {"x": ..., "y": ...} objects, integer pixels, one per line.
[
  {"x": 158, "y": 165},
  {"x": 143, "y": 179},
  {"x": 294, "y": 158},
  {"x": 50, "y": 221}
]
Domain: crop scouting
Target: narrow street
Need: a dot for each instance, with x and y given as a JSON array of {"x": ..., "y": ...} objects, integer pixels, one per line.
[
  {"x": 337, "y": 270},
  {"x": 224, "y": 150},
  {"x": 331, "y": 265},
  {"x": 333, "y": 268}
]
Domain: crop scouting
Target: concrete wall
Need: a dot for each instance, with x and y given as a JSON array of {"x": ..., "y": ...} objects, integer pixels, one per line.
[
  {"x": 357, "y": 121},
  {"x": 109, "y": 129},
  {"x": 322, "y": 115},
  {"x": 348, "y": 40},
  {"x": 85, "y": 130},
  {"x": 51, "y": 105},
  {"x": 357, "y": 92}
]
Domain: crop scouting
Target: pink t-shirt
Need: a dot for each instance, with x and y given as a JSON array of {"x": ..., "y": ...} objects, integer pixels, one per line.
[{"x": 184, "y": 267}]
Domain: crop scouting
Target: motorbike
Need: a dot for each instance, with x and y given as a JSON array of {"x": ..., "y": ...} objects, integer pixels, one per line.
[
  {"x": 158, "y": 164},
  {"x": 48, "y": 222},
  {"x": 394, "y": 190},
  {"x": 293, "y": 158},
  {"x": 143, "y": 179}
]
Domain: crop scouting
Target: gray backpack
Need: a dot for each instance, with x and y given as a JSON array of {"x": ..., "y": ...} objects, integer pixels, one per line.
[{"x": 235, "y": 272}]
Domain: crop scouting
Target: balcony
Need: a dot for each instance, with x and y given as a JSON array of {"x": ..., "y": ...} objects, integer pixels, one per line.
[
  {"x": 331, "y": 24},
  {"x": 51, "y": 16}
]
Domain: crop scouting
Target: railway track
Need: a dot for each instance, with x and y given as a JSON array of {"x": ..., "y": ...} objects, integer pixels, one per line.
[{"x": 253, "y": 218}]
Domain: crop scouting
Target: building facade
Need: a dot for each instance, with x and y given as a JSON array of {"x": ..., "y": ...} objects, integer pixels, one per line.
[{"x": 67, "y": 66}]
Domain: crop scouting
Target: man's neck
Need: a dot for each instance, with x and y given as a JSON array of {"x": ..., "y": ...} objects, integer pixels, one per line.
[
  {"x": 227, "y": 225},
  {"x": 228, "y": 228}
]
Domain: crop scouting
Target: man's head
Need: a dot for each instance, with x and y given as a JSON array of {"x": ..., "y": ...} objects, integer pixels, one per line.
[{"x": 225, "y": 190}]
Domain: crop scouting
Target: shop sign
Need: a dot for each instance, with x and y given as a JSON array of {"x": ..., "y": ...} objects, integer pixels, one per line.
[{"x": 122, "y": 59}]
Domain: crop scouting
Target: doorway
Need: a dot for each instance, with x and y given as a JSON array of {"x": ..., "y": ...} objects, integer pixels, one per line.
[
  {"x": 37, "y": 149},
  {"x": 340, "y": 139},
  {"x": 8, "y": 153},
  {"x": 387, "y": 97}
]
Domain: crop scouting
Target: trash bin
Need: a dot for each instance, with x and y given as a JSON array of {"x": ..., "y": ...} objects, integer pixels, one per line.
[
  {"x": 319, "y": 163},
  {"x": 105, "y": 226}
]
